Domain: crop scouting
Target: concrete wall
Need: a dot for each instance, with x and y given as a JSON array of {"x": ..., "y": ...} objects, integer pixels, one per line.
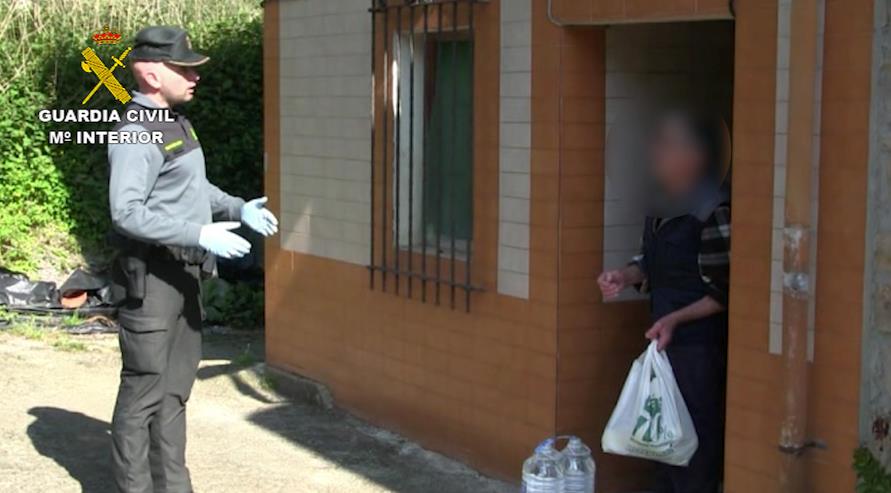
[
  {"x": 875, "y": 414},
  {"x": 324, "y": 66}
]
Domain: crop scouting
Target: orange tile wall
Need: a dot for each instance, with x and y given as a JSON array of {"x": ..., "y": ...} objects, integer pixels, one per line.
[
  {"x": 596, "y": 341},
  {"x": 582, "y": 11},
  {"x": 478, "y": 386},
  {"x": 843, "y": 188},
  {"x": 755, "y": 377},
  {"x": 485, "y": 386},
  {"x": 751, "y": 457}
]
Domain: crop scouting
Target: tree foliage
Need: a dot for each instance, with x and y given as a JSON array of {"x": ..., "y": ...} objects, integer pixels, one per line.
[{"x": 53, "y": 198}]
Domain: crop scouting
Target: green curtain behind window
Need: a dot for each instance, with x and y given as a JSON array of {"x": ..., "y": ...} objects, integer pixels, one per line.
[{"x": 448, "y": 149}]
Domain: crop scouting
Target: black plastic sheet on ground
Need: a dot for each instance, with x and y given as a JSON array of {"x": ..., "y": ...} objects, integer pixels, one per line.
[
  {"x": 16, "y": 290},
  {"x": 21, "y": 296}
]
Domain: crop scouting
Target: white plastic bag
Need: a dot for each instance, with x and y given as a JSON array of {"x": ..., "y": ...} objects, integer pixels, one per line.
[{"x": 651, "y": 419}]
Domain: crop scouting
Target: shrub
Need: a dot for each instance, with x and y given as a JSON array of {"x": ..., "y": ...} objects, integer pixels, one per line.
[
  {"x": 239, "y": 304},
  {"x": 871, "y": 476},
  {"x": 53, "y": 198}
]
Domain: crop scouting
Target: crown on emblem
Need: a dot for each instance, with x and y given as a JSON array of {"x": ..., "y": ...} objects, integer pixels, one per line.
[{"x": 106, "y": 37}]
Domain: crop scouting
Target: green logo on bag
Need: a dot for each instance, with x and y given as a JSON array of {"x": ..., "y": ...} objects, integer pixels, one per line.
[{"x": 649, "y": 429}]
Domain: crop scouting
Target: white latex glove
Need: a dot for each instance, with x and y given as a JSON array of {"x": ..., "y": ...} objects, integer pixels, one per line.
[
  {"x": 257, "y": 217},
  {"x": 220, "y": 241}
]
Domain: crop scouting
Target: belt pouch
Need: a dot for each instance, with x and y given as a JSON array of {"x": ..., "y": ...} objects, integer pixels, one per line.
[{"x": 134, "y": 271}]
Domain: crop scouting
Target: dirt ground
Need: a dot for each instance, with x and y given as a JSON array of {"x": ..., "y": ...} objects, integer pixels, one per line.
[{"x": 57, "y": 400}]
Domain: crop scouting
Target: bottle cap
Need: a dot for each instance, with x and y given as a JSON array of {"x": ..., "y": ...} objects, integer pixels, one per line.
[
  {"x": 545, "y": 447},
  {"x": 577, "y": 447}
]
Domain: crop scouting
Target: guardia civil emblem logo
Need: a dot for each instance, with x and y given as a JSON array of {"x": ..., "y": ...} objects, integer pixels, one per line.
[{"x": 105, "y": 75}]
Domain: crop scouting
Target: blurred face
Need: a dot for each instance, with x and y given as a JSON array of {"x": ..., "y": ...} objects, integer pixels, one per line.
[
  {"x": 179, "y": 84},
  {"x": 174, "y": 83},
  {"x": 678, "y": 160}
]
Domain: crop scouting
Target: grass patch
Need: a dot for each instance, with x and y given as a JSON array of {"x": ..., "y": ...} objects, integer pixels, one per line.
[
  {"x": 67, "y": 344},
  {"x": 268, "y": 382},
  {"x": 28, "y": 328},
  {"x": 245, "y": 359},
  {"x": 72, "y": 320}
]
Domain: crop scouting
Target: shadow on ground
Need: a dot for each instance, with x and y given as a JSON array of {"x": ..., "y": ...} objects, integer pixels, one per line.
[
  {"x": 382, "y": 457},
  {"x": 77, "y": 442},
  {"x": 81, "y": 444},
  {"x": 238, "y": 351}
]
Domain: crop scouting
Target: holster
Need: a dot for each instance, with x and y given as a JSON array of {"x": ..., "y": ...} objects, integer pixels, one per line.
[{"x": 128, "y": 274}]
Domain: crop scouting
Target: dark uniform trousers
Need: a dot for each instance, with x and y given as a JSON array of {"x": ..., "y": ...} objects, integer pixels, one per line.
[{"x": 160, "y": 341}]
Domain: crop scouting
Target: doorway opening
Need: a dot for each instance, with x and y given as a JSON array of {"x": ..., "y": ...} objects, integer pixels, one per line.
[
  {"x": 687, "y": 67},
  {"x": 648, "y": 66}
]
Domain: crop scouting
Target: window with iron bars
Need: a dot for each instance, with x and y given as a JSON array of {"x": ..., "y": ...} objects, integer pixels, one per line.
[{"x": 422, "y": 149}]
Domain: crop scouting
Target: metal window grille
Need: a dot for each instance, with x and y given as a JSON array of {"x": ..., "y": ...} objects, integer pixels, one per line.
[{"x": 422, "y": 149}]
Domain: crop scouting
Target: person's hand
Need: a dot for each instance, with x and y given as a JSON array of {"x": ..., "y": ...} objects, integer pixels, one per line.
[
  {"x": 256, "y": 216},
  {"x": 612, "y": 283},
  {"x": 217, "y": 239},
  {"x": 662, "y": 331}
]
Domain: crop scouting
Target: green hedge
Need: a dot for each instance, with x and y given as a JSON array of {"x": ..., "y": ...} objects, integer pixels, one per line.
[{"x": 53, "y": 199}]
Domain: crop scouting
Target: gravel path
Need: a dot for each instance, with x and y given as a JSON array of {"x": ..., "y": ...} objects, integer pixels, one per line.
[{"x": 57, "y": 403}]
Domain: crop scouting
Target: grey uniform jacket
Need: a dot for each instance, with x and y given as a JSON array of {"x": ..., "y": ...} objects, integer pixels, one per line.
[{"x": 159, "y": 193}]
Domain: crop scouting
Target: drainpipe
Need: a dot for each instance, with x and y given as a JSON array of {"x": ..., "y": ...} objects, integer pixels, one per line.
[{"x": 798, "y": 232}]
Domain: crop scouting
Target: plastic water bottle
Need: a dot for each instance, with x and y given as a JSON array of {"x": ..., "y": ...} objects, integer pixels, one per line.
[
  {"x": 578, "y": 467},
  {"x": 542, "y": 473}
]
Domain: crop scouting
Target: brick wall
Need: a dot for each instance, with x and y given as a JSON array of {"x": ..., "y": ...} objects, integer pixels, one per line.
[{"x": 324, "y": 60}]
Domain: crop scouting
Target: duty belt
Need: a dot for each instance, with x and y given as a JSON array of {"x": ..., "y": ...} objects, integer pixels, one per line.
[
  {"x": 186, "y": 255},
  {"x": 134, "y": 248}
]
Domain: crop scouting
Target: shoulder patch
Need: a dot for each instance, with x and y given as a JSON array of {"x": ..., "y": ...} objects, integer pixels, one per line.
[{"x": 177, "y": 137}]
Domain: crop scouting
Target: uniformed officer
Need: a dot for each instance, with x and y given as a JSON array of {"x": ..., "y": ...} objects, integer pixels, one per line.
[{"x": 162, "y": 208}]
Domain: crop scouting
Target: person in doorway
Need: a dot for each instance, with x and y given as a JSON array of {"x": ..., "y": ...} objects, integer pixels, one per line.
[
  {"x": 162, "y": 208},
  {"x": 684, "y": 265}
]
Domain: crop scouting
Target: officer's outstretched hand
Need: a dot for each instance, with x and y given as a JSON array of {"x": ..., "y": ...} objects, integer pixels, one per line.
[
  {"x": 217, "y": 239},
  {"x": 257, "y": 217}
]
